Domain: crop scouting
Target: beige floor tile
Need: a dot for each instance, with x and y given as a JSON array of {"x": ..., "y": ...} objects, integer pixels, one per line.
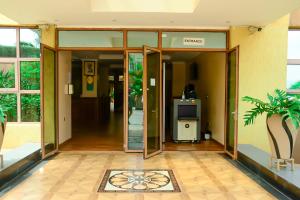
[{"x": 77, "y": 175}]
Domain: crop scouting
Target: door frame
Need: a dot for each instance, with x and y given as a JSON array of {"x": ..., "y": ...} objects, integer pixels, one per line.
[
  {"x": 145, "y": 100},
  {"x": 125, "y": 93},
  {"x": 42, "y": 103},
  {"x": 234, "y": 155}
]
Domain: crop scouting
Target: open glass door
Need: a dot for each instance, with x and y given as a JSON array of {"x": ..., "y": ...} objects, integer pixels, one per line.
[
  {"x": 152, "y": 100},
  {"x": 231, "y": 130},
  {"x": 134, "y": 106},
  {"x": 48, "y": 101}
]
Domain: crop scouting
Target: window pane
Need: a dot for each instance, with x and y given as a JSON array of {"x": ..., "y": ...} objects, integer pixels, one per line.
[
  {"x": 8, "y": 42},
  {"x": 294, "y": 45},
  {"x": 30, "y": 107},
  {"x": 90, "y": 38},
  {"x": 185, "y": 40},
  {"x": 30, "y": 43},
  {"x": 9, "y": 103},
  {"x": 140, "y": 38},
  {"x": 7, "y": 75},
  {"x": 30, "y": 75},
  {"x": 293, "y": 77}
]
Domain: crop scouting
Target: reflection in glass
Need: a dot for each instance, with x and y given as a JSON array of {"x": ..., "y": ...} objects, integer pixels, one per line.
[
  {"x": 9, "y": 103},
  {"x": 231, "y": 91},
  {"x": 30, "y": 107},
  {"x": 29, "y": 43},
  {"x": 7, "y": 75},
  {"x": 8, "y": 40},
  {"x": 293, "y": 77},
  {"x": 135, "y": 101},
  {"x": 30, "y": 75},
  {"x": 141, "y": 38},
  {"x": 153, "y": 102}
]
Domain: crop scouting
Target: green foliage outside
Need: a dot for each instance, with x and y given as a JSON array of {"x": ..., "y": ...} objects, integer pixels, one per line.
[
  {"x": 7, "y": 51},
  {"x": 9, "y": 104},
  {"x": 30, "y": 75},
  {"x": 30, "y": 103},
  {"x": 280, "y": 103},
  {"x": 30, "y": 108},
  {"x": 135, "y": 83},
  {"x": 7, "y": 78}
]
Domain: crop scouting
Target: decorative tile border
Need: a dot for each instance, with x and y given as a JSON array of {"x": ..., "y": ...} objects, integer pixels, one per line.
[{"x": 133, "y": 180}]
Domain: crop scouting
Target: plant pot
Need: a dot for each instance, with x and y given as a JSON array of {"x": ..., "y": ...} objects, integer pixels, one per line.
[{"x": 282, "y": 137}]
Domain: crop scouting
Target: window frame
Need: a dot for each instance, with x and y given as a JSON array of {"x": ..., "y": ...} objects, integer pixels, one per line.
[{"x": 17, "y": 60}]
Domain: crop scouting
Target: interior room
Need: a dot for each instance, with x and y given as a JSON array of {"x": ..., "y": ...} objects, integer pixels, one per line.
[
  {"x": 204, "y": 74},
  {"x": 96, "y": 100}
]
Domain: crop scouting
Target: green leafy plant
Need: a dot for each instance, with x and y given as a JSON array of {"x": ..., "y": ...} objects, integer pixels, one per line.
[
  {"x": 2, "y": 114},
  {"x": 280, "y": 103}
]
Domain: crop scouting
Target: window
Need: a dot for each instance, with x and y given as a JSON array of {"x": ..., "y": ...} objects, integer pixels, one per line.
[
  {"x": 293, "y": 67},
  {"x": 20, "y": 74}
]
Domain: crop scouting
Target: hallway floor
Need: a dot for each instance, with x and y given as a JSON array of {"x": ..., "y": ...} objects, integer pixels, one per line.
[{"x": 77, "y": 175}]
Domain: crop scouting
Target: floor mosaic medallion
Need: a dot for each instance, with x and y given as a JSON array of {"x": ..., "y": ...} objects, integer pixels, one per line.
[{"x": 150, "y": 180}]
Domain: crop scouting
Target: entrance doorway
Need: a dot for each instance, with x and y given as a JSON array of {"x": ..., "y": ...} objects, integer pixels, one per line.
[
  {"x": 204, "y": 72},
  {"x": 97, "y": 101}
]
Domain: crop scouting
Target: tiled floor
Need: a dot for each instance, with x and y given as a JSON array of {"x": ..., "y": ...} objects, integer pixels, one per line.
[{"x": 200, "y": 175}]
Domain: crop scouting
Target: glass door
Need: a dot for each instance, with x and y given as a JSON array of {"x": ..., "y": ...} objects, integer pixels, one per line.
[
  {"x": 152, "y": 99},
  {"x": 134, "y": 105},
  {"x": 48, "y": 101},
  {"x": 232, "y": 102}
]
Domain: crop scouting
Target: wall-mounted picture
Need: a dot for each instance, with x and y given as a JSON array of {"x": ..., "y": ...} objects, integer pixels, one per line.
[{"x": 89, "y": 68}]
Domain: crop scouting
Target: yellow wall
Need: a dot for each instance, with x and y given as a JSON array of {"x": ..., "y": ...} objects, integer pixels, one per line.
[
  {"x": 48, "y": 36},
  {"x": 263, "y": 58},
  {"x": 64, "y": 111},
  {"x": 17, "y": 134},
  {"x": 211, "y": 84},
  {"x": 178, "y": 79}
]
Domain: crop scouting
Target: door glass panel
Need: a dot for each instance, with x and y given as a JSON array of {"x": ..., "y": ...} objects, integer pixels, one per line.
[
  {"x": 141, "y": 38},
  {"x": 135, "y": 101},
  {"x": 49, "y": 105},
  {"x": 153, "y": 132},
  {"x": 231, "y": 101}
]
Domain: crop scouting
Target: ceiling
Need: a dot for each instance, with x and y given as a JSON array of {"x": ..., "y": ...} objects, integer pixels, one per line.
[{"x": 199, "y": 14}]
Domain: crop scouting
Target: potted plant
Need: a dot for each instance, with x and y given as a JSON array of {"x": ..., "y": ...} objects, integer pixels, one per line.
[{"x": 283, "y": 121}]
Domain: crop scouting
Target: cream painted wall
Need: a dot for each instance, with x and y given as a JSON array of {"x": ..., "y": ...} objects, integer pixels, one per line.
[
  {"x": 64, "y": 77},
  {"x": 179, "y": 78},
  {"x": 210, "y": 88},
  {"x": 17, "y": 134},
  {"x": 48, "y": 36},
  {"x": 262, "y": 68}
]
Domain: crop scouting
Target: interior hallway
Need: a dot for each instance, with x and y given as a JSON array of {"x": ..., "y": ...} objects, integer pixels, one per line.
[
  {"x": 104, "y": 135},
  {"x": 200, "y": 175}
]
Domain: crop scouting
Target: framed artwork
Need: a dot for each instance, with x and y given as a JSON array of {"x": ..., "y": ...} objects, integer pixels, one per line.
[{"x": 89, "y": 68}]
